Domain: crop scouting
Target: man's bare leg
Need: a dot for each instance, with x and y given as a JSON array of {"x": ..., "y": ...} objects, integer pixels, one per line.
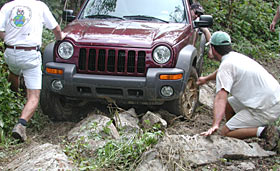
[
  {"x": 14, "y": 80},
  {"x": 229, "y": 111},
  {"x": 31, "y": 105},
  {"x": 241, "y": 133},
  {"x": 29, "y": 109}
]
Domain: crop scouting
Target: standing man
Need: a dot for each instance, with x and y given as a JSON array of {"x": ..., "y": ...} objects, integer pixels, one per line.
[
  {"x": 254, "y": 103},
  {"x": 275, "y": 19},
  {"x": 196, "y": 11},
  {"x": 21, "y": 26}
]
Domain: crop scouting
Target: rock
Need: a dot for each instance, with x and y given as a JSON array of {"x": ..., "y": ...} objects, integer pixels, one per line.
[
  {"x": 150, "y": 119},
  {"x": 168, "y": 117},
  {"x": 207, "y": 94},
  {"x": 127, "y": 120},
  {"x": 94, "y": 130},
  {"x": 41, "y": 157},
  {"x": 187, "y": 151},
  {"x": 151, "y": 162}
]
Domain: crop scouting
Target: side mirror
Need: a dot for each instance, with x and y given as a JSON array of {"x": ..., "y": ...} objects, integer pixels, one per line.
[
  {"x": 204, "y": 21},
  {"x": 68, "y": 16}
]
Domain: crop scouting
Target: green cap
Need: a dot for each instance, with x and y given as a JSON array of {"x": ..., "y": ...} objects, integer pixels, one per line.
[{"x": 220, "y": 38}]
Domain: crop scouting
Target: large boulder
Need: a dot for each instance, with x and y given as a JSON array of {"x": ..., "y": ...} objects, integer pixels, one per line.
[
  {"x": 183, "y": 151},
  {"x": 150, "y": 119},
  {"x": 94, "y": 130},
  {"x": 127, "y": 120},
  {"x": 41, "y": 157},
  {"x": 207, "y": 94}
]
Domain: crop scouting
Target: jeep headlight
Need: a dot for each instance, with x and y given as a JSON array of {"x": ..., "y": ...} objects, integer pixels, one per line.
[
  {"x": 161, "y": 54},
  {"x": 65, "y": 50}
]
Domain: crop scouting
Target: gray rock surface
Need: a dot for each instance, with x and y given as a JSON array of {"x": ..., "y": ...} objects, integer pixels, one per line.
[
  {"x": 175, "y": 151},
  {"x": 150, "y": 119},
  {"x": 94, "y": 130},
  {"x": 207, "y": 94},
  {"x": 127, "y": 120},
  {"x": 41, "y": 157}
]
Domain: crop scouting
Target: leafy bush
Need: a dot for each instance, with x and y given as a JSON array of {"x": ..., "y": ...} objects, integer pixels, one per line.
[
  {"x": 247, "y": 22},
  {"x": 11, "y": 103},
  {"x": 47, "y": 37},
  {"x": 55, "y": 7}
]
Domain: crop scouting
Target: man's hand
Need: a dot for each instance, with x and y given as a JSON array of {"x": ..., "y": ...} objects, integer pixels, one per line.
[
  {"x": 275, "y": 19},
  {"x": 210, "y": 54},
  {"x": 201, "y": 81},
  {"x": 63, "y": 35},
  {"x": 272, "y": 26},
  {"x": 210, "y": 131}
]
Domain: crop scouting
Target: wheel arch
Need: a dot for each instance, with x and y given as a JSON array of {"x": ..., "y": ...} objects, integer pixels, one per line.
[
  {"x": 48, "y": 54},
  {"x": 187, "y": 59}
]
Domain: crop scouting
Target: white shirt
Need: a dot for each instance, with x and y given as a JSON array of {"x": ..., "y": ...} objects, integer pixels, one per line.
[
  {"x": 248, "y": 81},
  {"x": 23, "y": 20}
]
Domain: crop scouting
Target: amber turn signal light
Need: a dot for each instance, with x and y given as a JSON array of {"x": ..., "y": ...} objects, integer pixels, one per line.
[
  {"x": 171, "y": 77},
  {"x": 54, "y": 71}
]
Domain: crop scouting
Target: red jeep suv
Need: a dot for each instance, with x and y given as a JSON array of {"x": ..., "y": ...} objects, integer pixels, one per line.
[{"x": 125, "y": 51}]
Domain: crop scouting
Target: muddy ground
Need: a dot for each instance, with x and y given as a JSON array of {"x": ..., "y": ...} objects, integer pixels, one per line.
[{"x": 54, "y": 132}]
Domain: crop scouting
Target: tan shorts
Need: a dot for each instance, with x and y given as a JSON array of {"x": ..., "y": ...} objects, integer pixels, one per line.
[
  {"x": 251, "y": 118},
  {"x": 26, "y": 62}
]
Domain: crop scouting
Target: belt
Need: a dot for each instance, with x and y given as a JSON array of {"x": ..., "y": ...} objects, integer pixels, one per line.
[{"x": 24, "y": 48}]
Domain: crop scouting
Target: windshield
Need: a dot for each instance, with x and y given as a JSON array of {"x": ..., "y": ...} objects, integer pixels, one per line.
[{"x": 156, "y": 10}]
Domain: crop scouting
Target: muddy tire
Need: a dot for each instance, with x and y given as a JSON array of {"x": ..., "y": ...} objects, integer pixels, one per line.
[
  {"x": 186, "y": 104},
  {"x": 58, "y": 108}
]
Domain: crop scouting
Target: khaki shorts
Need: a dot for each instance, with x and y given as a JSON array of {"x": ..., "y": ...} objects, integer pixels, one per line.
[
  {"x": 251, "y": 118},
  {"x": 26, "y": 62}
]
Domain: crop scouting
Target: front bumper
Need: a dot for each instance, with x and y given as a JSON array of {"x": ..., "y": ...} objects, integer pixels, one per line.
[{"x": 123, "y": 89}]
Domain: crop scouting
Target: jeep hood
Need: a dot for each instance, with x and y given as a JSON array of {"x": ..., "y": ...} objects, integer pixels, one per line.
[{"x": 125, "y": 33}]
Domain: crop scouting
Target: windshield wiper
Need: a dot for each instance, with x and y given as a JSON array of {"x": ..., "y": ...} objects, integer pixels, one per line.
[
  {"x": 103, "y": 16},
  {"x": 144, "y": 17}
]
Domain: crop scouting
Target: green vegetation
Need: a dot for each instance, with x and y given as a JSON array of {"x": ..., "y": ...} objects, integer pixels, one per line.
[
  {"x": 56, "y": 8},
  {"x": 247, "y": 22},
  {"x": 11, "y": 103},
  {"x": 121, "y": 154}
]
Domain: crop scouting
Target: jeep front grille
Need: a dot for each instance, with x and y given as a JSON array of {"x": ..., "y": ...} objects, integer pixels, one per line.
[{"x": 112, "y": 61}]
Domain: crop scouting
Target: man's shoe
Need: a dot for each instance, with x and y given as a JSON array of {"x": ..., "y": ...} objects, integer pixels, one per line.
[
  {"x": 271, "y": 135},
  {"x": 19, "y": 132}
]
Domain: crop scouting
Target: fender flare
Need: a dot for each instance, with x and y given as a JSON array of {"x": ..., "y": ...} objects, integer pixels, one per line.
[
  {"x": 185, "y": 60},
  {"x": 48, "y": 54}
]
